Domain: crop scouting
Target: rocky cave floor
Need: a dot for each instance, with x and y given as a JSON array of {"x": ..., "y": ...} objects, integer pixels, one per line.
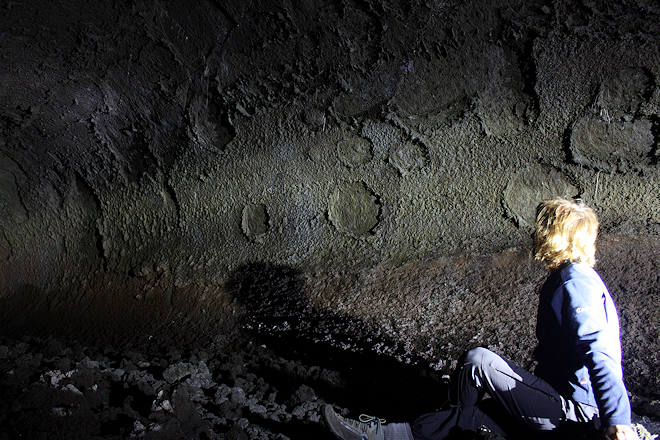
[{"x": 263, "y": 388}]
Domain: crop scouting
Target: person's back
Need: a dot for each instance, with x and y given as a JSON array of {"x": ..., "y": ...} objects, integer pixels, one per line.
[{"x": 578, "y": 333}]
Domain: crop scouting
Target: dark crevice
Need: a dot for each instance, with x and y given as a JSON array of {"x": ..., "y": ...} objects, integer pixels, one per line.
[
  {"x": 219, "y": 117},
  {"x": 378, "y": 202},
  {"x": 171, "y": 193},
  {"x": 647, "y": 94},
  {"x": 223, "y": 10},
  {"x": 20, "y": 196},
  {"x": 141, "y": 162},
  {"x": 360, "y": 381},
  {"x": 566, "y": 145},
  {"x": 11, "y": 248},
  {"x": 98, "y": 232},
  {"x": 86, "y": 189},
  {"x": 131, "y": 397},
  {"x": 528, "y": 71},
  {"x": 122, "y": 425},
  {"x": 654, "y": 154}
]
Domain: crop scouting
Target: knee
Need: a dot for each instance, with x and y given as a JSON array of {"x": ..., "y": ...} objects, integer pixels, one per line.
[{"x": 478, "y": 356}]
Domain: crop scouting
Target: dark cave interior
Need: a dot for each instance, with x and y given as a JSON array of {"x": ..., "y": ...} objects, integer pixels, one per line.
[{"x": 217, "y": 216}]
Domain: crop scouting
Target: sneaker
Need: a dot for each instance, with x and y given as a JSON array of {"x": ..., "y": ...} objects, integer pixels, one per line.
[{"x": 366, "y": 428}]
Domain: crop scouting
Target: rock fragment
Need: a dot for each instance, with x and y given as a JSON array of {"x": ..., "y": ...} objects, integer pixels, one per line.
[
  {"x": 408, "y": 158},
  {"x": 254, "y": 221},
  {"x": 353, "y": 209},
  {"x": 354, "y": 152}
]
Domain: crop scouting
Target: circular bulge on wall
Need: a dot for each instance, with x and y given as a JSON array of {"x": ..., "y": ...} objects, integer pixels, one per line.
[
  {"x": 254, "y": 221},
  {"x": 354, "y": 151},
  {"x": 353, "y": 209},
  {"x": 529, "y": 187},
  {"x": 623, "y": 92},
  {"x": 408, "y": 157},
  {"x": 612, "y": 146}
]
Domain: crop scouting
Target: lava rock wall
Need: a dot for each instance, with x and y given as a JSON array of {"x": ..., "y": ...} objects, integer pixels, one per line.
[{"x": 152, "y": 151}]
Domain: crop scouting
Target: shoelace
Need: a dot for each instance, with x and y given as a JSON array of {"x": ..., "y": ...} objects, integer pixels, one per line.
[{"x": 365, "y": 418}]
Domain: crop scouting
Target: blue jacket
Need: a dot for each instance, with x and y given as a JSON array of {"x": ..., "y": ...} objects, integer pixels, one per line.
[{"x": 579, "y": 351}]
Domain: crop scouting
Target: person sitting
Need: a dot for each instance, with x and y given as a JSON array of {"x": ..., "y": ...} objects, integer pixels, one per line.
[{"x": 577, "y": 386}]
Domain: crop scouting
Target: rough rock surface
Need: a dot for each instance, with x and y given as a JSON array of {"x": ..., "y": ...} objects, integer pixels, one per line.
[
  {"x": 53, "y": 391},
  {"x": 345, "y": 175}
]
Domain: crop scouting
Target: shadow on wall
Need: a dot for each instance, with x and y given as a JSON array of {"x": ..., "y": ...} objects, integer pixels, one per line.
[{"x": 351, "y": 373}]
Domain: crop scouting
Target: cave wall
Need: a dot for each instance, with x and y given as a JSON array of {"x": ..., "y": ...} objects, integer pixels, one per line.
[{"x": 391, "y": 153}]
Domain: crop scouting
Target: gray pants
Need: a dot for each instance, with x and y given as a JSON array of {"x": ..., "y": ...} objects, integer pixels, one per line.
[{"x": 519, "y": 402}]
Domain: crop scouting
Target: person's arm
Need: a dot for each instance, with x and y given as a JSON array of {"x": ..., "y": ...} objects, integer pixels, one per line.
[{"x": 596, "y": 337}]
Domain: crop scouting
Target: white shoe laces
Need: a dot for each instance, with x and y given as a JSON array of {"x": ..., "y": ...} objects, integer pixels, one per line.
[{"x": 365, "y": 418}]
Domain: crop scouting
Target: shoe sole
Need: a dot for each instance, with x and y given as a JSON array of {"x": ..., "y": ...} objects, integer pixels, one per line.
[{"x": 328, "y": 411}]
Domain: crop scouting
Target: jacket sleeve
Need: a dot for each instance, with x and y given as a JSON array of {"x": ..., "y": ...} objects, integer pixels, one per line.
[{"x": 590, "y": 320}]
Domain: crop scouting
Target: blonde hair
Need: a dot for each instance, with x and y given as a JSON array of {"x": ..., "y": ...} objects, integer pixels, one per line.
[{"x": 565, "y": 231}]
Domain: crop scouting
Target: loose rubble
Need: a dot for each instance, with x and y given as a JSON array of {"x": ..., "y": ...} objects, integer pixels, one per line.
[{"x": 52, "y": 390}]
